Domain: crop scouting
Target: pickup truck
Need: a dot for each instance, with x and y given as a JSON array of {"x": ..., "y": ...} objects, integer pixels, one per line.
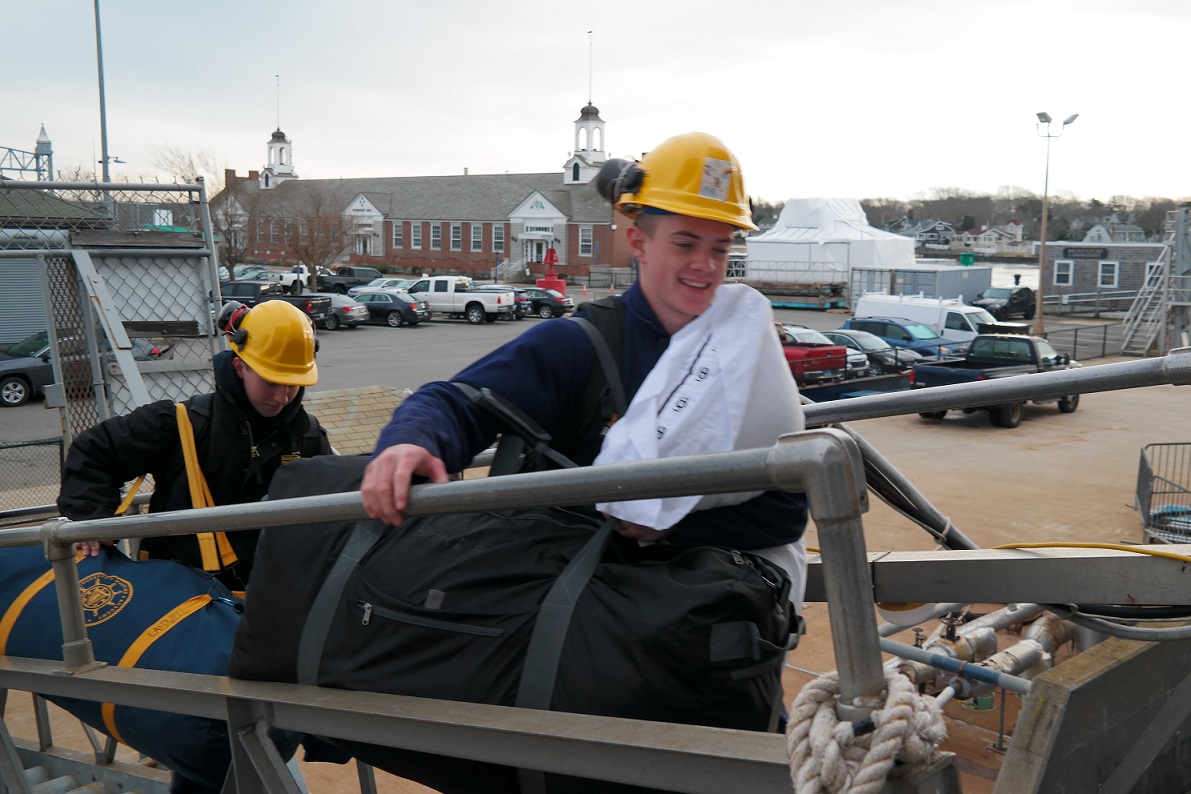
[
  {"x": 250, "y": 292},
  {"x": 996, "y": 356},
  {"x": 341, "y": 279},
  {"x": 457, "y": 296},
  {"x": 296, "y": 280},
  {"x": 811, "y": 360}
]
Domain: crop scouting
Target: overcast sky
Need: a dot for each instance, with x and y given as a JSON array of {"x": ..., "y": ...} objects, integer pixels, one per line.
[{"x": 854, "y": 98}]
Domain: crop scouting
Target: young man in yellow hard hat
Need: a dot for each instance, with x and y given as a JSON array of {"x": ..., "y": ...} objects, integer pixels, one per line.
[
  {"x": 244, "y": 432},
  {"x": 687, "y": 200}
]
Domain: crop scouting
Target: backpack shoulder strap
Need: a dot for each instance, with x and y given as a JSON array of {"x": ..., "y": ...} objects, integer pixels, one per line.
[{"x": 608, "y": 362}]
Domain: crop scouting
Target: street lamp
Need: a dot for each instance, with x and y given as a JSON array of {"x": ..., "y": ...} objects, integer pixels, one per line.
[
  {"x": 1044, "y": 119},
  {"x": 103, "y": 118}
]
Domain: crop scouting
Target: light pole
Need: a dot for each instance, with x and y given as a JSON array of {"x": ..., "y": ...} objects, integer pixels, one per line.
[
  {"x": 103, "y": 118},
  {"x": 1044, "y": 118}
]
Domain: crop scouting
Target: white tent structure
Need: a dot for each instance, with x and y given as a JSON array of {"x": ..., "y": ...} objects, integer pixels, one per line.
[{"x": 817, "y": 241}]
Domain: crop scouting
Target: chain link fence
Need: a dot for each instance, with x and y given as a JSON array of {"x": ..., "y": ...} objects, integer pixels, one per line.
[
  {"x": 43, "y": 215},
  {"x": 127, "y": 274},
  {"x": 30, "y": 475}
]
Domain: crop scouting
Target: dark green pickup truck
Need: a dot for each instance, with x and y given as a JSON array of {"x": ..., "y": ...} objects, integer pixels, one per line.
[
  {"x": 996, "y": 356},
  {"x": 250, "y": 292}
]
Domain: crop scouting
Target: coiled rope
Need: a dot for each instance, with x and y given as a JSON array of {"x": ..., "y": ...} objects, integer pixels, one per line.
[{"x": 829, "y": 756}]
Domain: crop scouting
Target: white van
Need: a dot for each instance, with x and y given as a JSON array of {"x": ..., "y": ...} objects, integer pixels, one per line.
[{"x": 949, "y": 318}]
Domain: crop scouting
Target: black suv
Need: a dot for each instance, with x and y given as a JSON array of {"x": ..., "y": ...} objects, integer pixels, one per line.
[{"x": 1005, "y": 302}]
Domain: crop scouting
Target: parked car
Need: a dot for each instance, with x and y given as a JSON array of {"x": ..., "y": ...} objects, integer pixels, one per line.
[
  {"x": 26, "y": 369},
  {"x": 1005, "y": 302},
  {"x": 883, "y": 358},
  {"x": 902, "y": 333},
  {"x": 547, "y": 303},
  {"x": 521, "y": 304},
  {"x": 381, "y": 283},
  {"x": 998, "y": 356},
  {"x": 812, "y": 361},
  {"x": 254, "y": 271},
  {"x": 952, "y": 319},
  {"x": 346, "y": 312},
  {"x": 395, "y": 308},
  {"x": 856, "y": 366}
]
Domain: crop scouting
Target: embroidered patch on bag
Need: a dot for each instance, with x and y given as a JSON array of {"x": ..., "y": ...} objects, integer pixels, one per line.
[{"x": 104, "y": 596}]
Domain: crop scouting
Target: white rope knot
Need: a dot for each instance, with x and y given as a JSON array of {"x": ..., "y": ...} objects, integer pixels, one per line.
[{"x": 827, "y": 756}]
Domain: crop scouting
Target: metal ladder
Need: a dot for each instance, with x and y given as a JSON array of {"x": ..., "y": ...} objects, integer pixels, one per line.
[{"x": 1146, "y": 319}]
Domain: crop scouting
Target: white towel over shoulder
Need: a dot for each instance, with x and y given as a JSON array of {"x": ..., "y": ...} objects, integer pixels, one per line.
[{"x": 721, "y": 385}]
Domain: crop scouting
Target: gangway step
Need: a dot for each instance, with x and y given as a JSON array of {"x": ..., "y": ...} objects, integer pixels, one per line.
[
  {"x": 41, "y": 782},
  {"x": 60, "y": 770}
]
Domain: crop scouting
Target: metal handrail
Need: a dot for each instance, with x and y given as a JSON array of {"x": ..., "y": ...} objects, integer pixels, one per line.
[
  {"x": 1173, "y": 368},
  {"x": 824, "y": 464}
]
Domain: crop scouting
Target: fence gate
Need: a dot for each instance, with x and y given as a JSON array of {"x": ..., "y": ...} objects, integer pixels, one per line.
[{"x": 130, "y": 282}]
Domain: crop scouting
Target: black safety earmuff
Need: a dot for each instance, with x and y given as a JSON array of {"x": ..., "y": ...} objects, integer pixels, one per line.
[
  {"x": 231, "y": 316},
  {"x": 617, "y": 177}
]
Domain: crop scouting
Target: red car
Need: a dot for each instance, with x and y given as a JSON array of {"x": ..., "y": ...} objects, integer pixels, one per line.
[{"x": 813, "y": 358}]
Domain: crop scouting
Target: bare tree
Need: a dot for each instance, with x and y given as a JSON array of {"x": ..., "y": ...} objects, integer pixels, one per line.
[
  {"x": 320, "y": 232},
  {"x": 186, "y": 165}
]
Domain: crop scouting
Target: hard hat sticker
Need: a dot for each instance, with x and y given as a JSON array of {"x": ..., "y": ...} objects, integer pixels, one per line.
[{"x": 717, "y": 177}]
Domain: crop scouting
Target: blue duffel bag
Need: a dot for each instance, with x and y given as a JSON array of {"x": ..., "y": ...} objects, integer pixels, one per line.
[{"x": 152, "y": 614}]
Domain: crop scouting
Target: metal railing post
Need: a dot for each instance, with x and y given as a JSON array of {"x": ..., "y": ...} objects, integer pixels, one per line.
[
  {"x": 77, "y": 653},
  {"x": 837, "y": 495}
]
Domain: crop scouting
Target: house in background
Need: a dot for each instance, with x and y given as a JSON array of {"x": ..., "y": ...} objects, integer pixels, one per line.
[
  {"x": 481, "y": 225},
  {"x": 995, "y": 240},
  {"x": 929, "y": 234},
  {"x": 1112, "y": 231}
]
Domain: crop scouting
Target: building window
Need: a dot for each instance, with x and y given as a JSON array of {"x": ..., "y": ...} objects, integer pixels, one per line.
[
  {"x": 498, "y": 238},
  {"x": 456, "y": 236},
  {"x": 477, "y": 237},
  {"x": 435, "y": 236},
  {"x": 273, "y": 231},
  {"x": 303, "y": 231},
  {"x": 1108, "y": 275},
  {"x": 1064, "y": 268},
  {"x": 260, "y": 231},
  {"x": 398, "y": 234},
  {"x": 584, "y": 241},
  {"x": 1153, "y": 274}
]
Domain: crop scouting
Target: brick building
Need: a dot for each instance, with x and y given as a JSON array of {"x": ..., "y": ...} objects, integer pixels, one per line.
[{"x": 479, "y": 225}]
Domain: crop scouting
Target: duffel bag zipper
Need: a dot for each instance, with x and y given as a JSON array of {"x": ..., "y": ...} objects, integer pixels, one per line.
[{"x": 430, "y": 623}]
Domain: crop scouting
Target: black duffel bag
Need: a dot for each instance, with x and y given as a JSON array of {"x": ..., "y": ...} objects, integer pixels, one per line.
[{"x": 543, "y": 608}]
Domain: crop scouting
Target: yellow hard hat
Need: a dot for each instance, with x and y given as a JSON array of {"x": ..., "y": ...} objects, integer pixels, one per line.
[
  {"x": 277, "y": 341},
  {"x": 692, "y": 174}
]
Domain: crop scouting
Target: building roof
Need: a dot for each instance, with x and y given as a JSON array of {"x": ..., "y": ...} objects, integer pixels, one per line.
[
  {"x": 20, "y": 207},
  {"x": 465, "y": 197}
]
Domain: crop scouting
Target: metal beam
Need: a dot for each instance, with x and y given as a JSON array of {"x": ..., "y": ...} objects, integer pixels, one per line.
[
  {"x": 1045, "y": 576},
  {"x": 686, "y": 758}
]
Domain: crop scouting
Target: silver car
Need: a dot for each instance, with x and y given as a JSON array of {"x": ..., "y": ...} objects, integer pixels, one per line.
[{"x": 346, "y": 312}]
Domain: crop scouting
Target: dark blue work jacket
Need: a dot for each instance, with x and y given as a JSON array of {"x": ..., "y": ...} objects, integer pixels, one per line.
[{"x": 543, "y": 372}]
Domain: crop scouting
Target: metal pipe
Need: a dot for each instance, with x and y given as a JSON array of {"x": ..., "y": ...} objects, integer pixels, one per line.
[
  {"x": 966, "y": 669},
  {"x": 1173, "y": 368}
]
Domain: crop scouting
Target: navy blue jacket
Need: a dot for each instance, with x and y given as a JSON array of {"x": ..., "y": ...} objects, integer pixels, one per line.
[{"x": 543, "y": 372}]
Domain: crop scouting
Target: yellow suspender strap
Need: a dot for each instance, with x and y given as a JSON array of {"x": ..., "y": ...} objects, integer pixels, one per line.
[
  {"x": 13, "y": 613},
  {"x": 215, "y": 548},
  {"x": 128, "y": 497},
  {"x": 142, "y": 643}
]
